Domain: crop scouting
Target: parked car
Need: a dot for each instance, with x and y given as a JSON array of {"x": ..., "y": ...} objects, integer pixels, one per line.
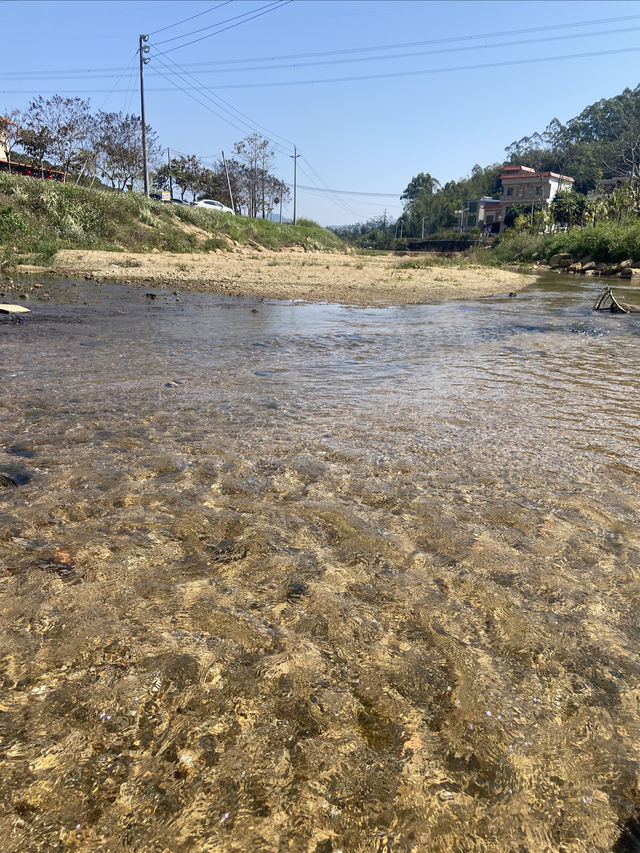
[
  {"x": 215, "y": 206},
  {"x": 180, "y": 201}
]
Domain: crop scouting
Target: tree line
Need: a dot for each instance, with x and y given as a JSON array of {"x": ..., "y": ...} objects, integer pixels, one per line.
[
  {"x": 106, "y": 147},
  {"x": 601, "y": 144}
]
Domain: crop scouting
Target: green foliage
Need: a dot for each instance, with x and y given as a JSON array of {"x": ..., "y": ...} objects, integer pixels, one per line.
[
  {"x": 431, "y": 207},
  {"x": 11, "y": 223},
  {"x": 568, "y": 207},
  {"x": 607, "y": 241},
  {"x": 376, "y": 233}
]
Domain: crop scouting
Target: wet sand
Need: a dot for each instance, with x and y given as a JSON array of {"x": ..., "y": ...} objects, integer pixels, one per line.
[{"x": 292, "y": 274}]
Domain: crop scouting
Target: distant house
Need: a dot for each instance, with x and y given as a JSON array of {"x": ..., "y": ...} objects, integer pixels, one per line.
[
  {"x": 523, "y": 185},
  {"x": 520, "y": 185},
  {"x": 605, "y": 186},
  {"x": 485, "y": 213},
  {"x": 9, "y": 164},
  {"x": 4, "y": 138}
]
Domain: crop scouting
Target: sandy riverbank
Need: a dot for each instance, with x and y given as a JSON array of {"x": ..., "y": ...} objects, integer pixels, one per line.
[{"x": 312, "y": 276}]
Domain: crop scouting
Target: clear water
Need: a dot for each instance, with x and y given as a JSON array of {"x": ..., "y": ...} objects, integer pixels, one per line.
[{"x": 288, "y": 577}]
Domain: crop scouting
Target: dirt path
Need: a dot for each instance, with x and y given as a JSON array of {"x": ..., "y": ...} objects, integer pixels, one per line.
[{"x": 293, "y": 274}]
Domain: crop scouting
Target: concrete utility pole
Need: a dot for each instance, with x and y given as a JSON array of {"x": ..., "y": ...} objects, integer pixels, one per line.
[
  {"x": 423, "y": 221},
  {"x": 170, "y": 178},
  {"x": 224, "y": 160},
  {"x": 295, "y": 156},
  {"x": 144, "y": 49}
]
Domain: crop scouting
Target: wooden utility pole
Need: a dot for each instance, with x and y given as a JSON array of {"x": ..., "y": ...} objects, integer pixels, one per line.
[
  {"x": 170, "y": 178},
  {"x": 144, "y": 49},
  {"x": 295, "y": 156}
]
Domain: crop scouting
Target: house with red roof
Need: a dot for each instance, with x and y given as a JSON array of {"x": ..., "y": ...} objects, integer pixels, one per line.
[
  {"x": 10, "y": 164},
  {"x": 520, "y": 185}
]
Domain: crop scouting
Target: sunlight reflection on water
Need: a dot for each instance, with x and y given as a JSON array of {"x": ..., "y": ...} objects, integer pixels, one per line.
[{"x": 313, "y": 578}]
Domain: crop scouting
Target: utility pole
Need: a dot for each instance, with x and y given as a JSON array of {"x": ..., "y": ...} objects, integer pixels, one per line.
[
  {"x": 144, "y": 49},
  {"x": 295, "y": 156},
  {"x": 224, "y": 160},
  {"x": 170, "y": 178},
  {"x": 423, "y": 221}
]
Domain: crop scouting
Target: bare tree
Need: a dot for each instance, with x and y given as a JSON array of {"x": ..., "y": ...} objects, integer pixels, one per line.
[
  {"x": 67, "y": 122},
  {"x": 256, "y": 153},
  {"x": 624, "y": 154}
]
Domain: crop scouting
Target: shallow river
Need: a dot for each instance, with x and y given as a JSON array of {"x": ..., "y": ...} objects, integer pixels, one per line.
[{"x": 287, "y": 577}]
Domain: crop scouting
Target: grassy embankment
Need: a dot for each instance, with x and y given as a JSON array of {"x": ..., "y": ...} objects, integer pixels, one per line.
[{"x": 37, "y": 218}]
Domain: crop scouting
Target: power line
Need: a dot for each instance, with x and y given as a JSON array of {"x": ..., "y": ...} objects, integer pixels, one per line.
[
  {"x": 266, "y": 9},
  {"x": 426, "y": 71},
  {"x": 350, "y": 192},
  {"x": 212, "y": 26},
  {"x": 413, "y": 54},
  {"x": 362, "y": 77},
  {"x": 113, "y": 71},
  {"x": 225, "y": 105},
  {"x": 184, "y": 20},
  {"x": 131, "y": 70},
  {"x": 206, "y": 106}
]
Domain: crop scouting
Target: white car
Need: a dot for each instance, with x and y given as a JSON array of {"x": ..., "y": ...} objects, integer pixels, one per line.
[{"x": 215, "y": 206}]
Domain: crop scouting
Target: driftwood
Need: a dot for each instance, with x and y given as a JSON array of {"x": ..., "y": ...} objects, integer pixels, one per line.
[{"x": 607, "y": 301}]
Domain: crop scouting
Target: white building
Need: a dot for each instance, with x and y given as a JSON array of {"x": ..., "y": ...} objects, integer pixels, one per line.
[
  {"x": 523, "y": 185},
  {"x": 485, "y": 213}
]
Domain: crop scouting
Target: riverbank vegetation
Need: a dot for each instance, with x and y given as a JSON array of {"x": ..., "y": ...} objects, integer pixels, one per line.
[
  {"x": 37, "y": 218},
  {"x": 603, "y": 242}
]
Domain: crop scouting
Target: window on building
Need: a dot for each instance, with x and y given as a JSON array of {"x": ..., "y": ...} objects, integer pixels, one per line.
[
  {"x": 471, "y": 221},
  {"x": 489, "y": 218},
  {"x": 473, "y": 207},
  {"x": 509, "y": 190},
  {"x": 538, "y": 190}
]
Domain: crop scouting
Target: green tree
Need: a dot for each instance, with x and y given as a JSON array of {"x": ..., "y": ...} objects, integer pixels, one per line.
[
  {"x": 117, "y": 141},
  {"x": 35, "y": 142},
  {"x": 185, "y": 172},
  {"x": 567, "y": 208}
]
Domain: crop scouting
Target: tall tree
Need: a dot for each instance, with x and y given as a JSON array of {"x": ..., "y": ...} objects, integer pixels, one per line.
[{"x": 256, "y": 153}]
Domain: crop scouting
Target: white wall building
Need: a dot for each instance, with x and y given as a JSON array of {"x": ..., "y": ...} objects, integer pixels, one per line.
[{"x": 523, "y": 185}]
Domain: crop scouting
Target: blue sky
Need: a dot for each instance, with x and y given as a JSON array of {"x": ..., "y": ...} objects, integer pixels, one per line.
[{"x": 440, "y": 86}]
